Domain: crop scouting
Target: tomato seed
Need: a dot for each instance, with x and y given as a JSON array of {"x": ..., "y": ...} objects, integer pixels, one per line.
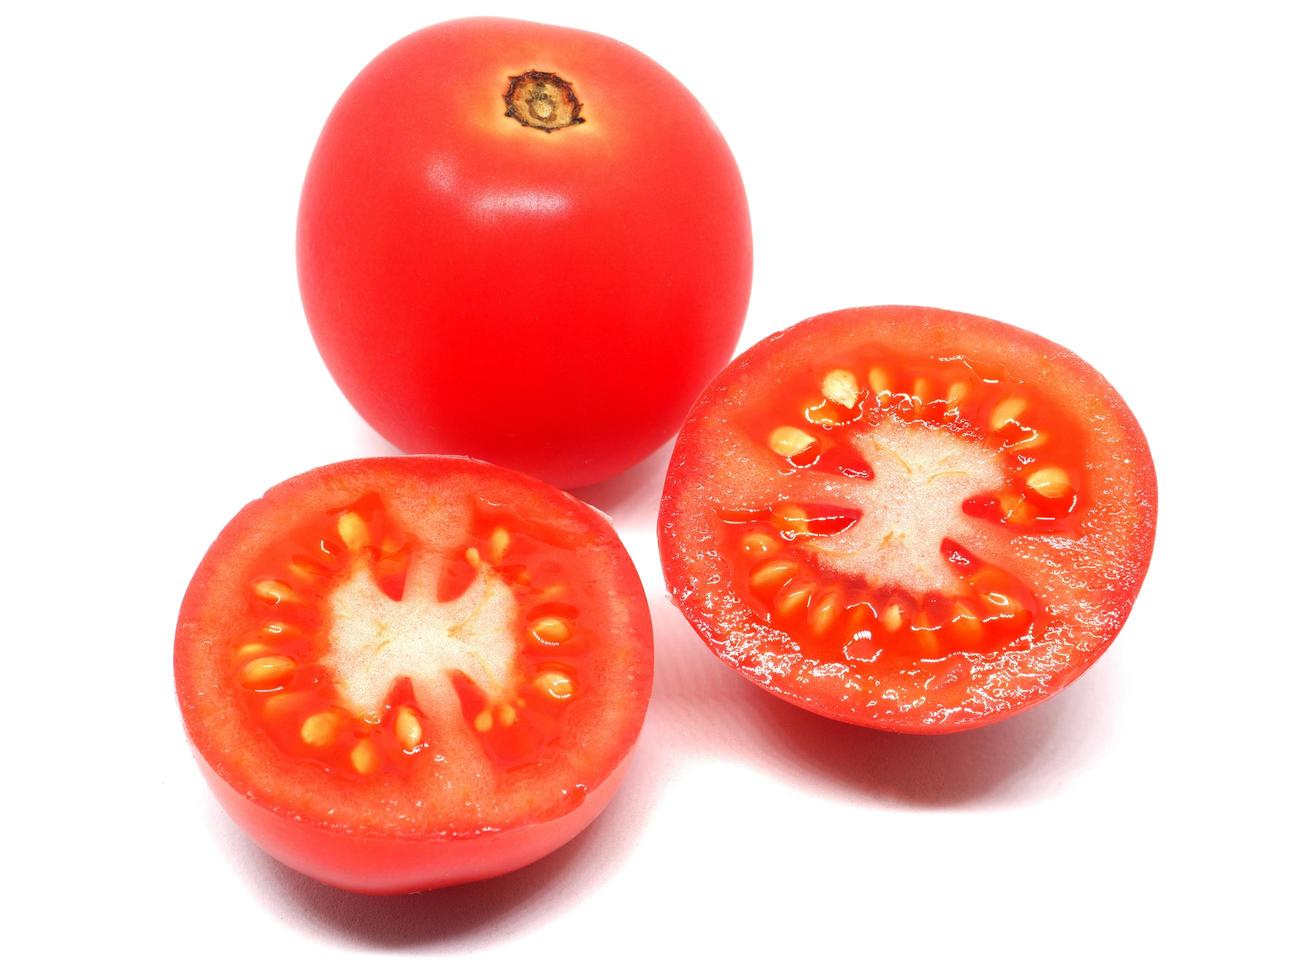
[
  {"x": 879, "y": 379},
  {"x": 824, "y": 612},
  {"x": 499, "y": 542},
  {"x": 556, "y": 685},
  {"x": 841, "y": 387},
  {"x": 920, "y": 393},
  {"x": 789, "y": 441},
  {"x": 790, "y": 519},
  {"x": 1050, "y": 481},
  {"x": 364, "y": 758},
  {"x": 352, "y": 530},
  {"x": 793, "y": 597},
  {"x": 551, "y": 630},
  {"x": 274, "y": 591},
  {"x": 320, "y": 729},
  {"x": 266, "y": 673},
  {"x": 408, "y": 728},
  {"x": 758, "y": 543},
  {"x": 1008, "y": 411},
  {"x": 770, "y": 575}
]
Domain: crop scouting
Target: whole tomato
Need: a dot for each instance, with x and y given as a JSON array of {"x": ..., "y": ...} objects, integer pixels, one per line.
[{"x": 523, "y": 243}]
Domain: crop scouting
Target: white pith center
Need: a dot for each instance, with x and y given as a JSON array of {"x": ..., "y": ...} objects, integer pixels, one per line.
[
  {"x": 922, "y": 476},
  {"x": 375, "y": 640}
]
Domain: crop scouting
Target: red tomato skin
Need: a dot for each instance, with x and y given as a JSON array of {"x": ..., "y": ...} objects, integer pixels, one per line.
[
  {"x": 398, "y": 866},
  {"x": 692, "y": 567},
  {"x": 549, "y": 301},
  {"x": 395, "y": 861}
]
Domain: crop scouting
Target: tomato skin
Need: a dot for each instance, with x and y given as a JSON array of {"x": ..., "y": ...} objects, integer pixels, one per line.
[
  {"x": 306, "y": 816},
  {"x": 549, "y": 301},
  {"x": 1091, "y": 596},
  {"x": 396, "y": 866}
]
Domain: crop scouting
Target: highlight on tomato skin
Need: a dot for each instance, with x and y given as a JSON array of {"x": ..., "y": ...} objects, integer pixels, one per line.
[
  {"x": 524, "y": 243},
  {"x": 406, "y": 673},
  {"x": 907, "y": 518}
]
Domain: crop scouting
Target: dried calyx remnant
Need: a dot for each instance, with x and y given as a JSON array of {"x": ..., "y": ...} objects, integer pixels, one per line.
[{"x": 542, "y": 100}]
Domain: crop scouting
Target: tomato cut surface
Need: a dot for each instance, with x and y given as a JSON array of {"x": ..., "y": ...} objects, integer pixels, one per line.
[
  {"x": 405, "y": 673},
  {"x": 907, "y": 518}
]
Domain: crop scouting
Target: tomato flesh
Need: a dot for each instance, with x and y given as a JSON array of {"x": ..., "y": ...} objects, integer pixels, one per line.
[
  {"x": 907, "y": 518},
  {"x": 423, "y": 651}
]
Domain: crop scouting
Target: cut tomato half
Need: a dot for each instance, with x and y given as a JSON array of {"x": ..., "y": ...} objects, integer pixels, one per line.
[
  {"x": 907, "y": 518},
  {"x": 406, "y": 673}
]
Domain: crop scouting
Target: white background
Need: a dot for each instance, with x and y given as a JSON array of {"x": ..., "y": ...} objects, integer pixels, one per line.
[{"x": 1124, "y": 178}]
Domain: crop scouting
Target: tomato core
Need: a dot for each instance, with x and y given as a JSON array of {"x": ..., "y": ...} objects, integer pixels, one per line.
[
  {"x": 365, "y": 646},
  {"x": 542, "y": 100}
]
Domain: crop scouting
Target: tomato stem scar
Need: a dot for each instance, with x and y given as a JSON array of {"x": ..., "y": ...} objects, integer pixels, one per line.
[{"x": 542, "y": 100}]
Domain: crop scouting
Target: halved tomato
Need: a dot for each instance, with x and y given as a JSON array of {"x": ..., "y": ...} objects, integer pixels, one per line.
[
  {"x": 406, "y": 673},
  {"x": 907, "y": 518}
]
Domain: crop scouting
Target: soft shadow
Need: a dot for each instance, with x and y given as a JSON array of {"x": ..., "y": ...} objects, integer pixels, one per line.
[
  {"x": 427, "y": 918},
  {"x": 367, "y": 442},
  {"x": 634, "y": 493},
  {"x": 714, "y": 711},
  {"x": 1002, "y": 762},
  {"x": 465, "y": 915}
]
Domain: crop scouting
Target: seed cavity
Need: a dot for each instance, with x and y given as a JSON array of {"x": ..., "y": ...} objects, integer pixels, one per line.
[
  {"x": 788, "y": 441},
  {"x": 267, "y": 673},
  {"x": 1050, "y": 481},
  {"x": 551, "y": 630},
  {"x": 319, "y": 730},
  {"x": 408, "y": 728},
  {"x": 840, "y": 386}
]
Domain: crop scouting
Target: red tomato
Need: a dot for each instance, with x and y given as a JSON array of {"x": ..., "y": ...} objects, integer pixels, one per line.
[
  {"x": 406, "y": 673},
  {"x": 523, "y": 243},
  {"x": 908, "y": 519}
]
